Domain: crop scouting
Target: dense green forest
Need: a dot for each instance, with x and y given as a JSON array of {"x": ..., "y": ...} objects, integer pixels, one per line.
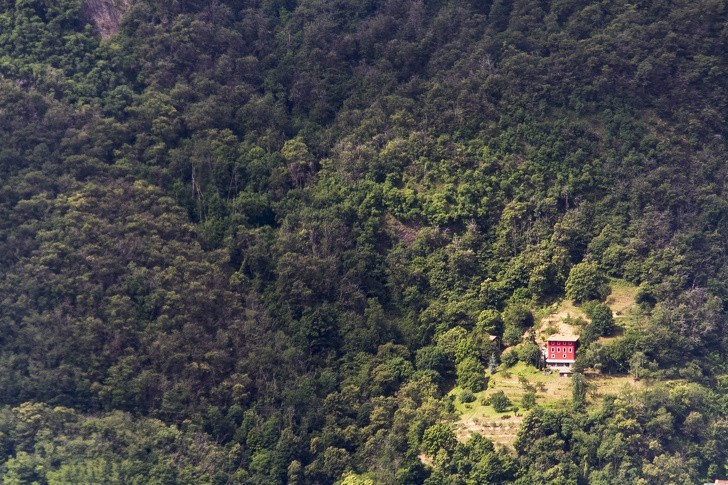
[{"x": 258, "y": 241}]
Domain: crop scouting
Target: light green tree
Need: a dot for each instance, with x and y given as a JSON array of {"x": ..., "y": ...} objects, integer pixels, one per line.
[{"x": 586, "y": 283}]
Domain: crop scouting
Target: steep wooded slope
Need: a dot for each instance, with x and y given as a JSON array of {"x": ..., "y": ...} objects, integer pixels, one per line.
[{"x": 288, "y": 227}]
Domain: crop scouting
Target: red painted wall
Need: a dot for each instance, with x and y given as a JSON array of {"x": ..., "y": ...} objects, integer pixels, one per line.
[{"x": 561, "y": 350}]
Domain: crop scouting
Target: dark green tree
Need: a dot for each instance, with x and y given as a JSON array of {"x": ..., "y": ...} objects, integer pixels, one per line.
[{"x": 500, "y": 401}]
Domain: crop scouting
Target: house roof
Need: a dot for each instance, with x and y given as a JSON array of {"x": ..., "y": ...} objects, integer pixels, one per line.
[{"x": 557, "y": 337}]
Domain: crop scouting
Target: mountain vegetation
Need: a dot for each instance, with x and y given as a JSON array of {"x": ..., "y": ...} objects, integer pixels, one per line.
[{"x": 260, "y": 241}]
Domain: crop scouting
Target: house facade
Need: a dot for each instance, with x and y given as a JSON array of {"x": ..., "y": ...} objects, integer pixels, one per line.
[{"x": 561, "y": 352}]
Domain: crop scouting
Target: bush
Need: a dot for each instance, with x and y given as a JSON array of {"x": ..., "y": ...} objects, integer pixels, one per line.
[
  {"x": 510, "y": 358},
  {"x": 500, "y": 401},
  {"x": 645, "y": 298},
  {"x": 528, "y": 400},
  {"x": 601, "y": 317},
  {"x": 525, "y": 384},
  {"x": 466, "y": 396}
]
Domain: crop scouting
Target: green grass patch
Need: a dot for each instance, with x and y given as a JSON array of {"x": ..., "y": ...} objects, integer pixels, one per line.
[
  {"x": 627, "y": 314},
  {"x": 551, "y": 391}
]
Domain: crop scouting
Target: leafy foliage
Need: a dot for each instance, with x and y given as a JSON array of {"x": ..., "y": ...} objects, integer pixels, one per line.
[
  {"x": 601, "y": 317},
  {"x": 260, "y": 239},
  {"x": 585, "y": 283},
  {"x": 500, "y": 401}
]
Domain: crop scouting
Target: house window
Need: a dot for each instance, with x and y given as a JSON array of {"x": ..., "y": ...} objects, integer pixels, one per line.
[
  {"x": 553, "y": 356},
  {"x": 564, "y": 356}
]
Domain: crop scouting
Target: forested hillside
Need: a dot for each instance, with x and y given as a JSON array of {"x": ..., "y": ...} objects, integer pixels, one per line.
[{"x": 259, "y": 241}]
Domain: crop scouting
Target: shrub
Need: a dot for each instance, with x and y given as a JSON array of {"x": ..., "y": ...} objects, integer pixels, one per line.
[
  {"x": 500, "y": 401},
  {"x": 466, "y": 396},
  {"x": 528, "y": 400},
  {"x": 525, "y": 384},
  {"x": 510, "y": 358},
  {"x": 601, "y": 317}
]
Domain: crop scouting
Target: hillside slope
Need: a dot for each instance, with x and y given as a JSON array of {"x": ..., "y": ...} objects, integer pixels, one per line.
[{"x": 280, "y": 232}]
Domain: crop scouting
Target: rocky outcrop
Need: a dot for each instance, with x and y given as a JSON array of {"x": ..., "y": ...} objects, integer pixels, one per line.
[{"x": 106, "y": 15}]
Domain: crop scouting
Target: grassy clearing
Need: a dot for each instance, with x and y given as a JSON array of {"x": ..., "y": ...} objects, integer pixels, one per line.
[
  {"x": 477, "y": 417},
  {"x": 552, "y": 391},
  {"x": 601, "y": 386},
  {"x": 507, "y": 380},
  {"x": 621, "y": 300},
  {"x": 622, "y": 297}
]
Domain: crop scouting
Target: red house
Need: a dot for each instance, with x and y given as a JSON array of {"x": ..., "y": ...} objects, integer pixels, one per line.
[{"x": 561, "y": 352}]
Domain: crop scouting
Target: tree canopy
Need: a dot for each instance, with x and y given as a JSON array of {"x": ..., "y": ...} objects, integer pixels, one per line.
[{"x": 257, "y": 242}]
